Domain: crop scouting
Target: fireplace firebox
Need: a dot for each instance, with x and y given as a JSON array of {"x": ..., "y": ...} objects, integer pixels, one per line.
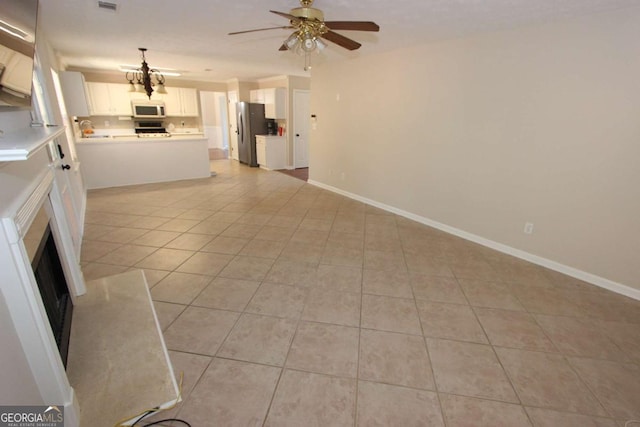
[{"x": 56, "y": 299}]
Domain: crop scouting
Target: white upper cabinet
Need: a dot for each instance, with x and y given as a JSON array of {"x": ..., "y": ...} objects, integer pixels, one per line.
[
  {"x": 275, "y": 103},
  {"x": 181, "y": 102},
  {"x": 109, "y": 99},
  {"x": 256, "y": 96},
  {"x": 114, "y": 99},
  {"x": 75, "y": 95},
  {"x": 274, "y": 100},
  {"x": 155, "y": 96}
]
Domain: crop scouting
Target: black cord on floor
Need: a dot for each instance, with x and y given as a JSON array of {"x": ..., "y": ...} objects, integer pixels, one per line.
[
  {"x": 146, "y": 414},
  {"x": 168, "y": 419}
]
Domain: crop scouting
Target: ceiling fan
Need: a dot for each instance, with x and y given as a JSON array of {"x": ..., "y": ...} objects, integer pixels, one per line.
[{"x": 310, "y": 28}]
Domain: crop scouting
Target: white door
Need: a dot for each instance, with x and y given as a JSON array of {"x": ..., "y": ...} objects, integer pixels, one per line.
[
  {"x": 301, "y": 121},
  {"x": 233, "y": 125},
  {"x": 69, "y": 179}
]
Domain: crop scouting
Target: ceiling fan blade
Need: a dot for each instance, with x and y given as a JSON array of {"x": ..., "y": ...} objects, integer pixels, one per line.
[
  {"x": 285, "y": 15},
  {"x": 341, "y": 40},
  {"x": 352, "y": 25},
  {"x": 288, "y": 27}
]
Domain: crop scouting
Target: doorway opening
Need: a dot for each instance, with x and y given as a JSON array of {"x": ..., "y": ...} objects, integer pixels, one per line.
[
  {"x": 300, "y": 173},
  {"x": 214, "y": 123}
]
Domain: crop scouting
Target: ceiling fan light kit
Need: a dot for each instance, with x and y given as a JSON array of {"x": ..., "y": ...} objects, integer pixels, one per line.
[{"x": 310, "y": 28}]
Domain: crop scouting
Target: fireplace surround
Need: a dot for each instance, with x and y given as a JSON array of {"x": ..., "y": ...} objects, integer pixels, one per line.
[{"x": 29, "y": 169}]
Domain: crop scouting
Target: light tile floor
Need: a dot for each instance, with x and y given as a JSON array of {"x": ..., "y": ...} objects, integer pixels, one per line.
[{"x": 287, "y": 305}]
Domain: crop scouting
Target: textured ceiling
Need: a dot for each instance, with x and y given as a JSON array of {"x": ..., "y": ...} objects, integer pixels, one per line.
[{"x": 191, "y": 35}]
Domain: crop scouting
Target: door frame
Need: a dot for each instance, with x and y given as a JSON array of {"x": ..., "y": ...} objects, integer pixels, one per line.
[
  {"x": 232, "y": 118},
  {"x": 293, "y": 120}
]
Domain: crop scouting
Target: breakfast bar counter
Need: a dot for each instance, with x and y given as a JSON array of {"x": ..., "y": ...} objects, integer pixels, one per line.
[{"x": 128, "y": 160}]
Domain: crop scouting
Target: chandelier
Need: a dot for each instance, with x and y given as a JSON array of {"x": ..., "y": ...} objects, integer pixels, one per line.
[{"x": 143, "y": 78}]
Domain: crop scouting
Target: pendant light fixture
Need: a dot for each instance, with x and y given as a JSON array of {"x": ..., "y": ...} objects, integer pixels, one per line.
[{"x": 144, "y": 76}]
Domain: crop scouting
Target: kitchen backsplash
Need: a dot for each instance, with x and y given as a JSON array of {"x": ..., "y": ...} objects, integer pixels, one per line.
[{"x": 111, "y": 122}]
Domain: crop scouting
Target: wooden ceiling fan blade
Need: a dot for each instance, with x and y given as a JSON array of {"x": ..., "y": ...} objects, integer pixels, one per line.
[
  {"x": 352, "y": 25},
  {"x": 288, "y": 27},
  {"x": 285, "y": 15},
  {"x": 341, "y": 40}
]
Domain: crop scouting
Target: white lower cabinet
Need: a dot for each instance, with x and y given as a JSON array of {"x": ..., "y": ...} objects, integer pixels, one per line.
[
  {"x": 261, "y": 151},
  {"x": 271, "y": 152}
]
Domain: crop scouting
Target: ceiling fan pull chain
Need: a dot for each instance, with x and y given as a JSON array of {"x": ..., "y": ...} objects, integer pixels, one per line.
[{"x": 307, "y": 61}]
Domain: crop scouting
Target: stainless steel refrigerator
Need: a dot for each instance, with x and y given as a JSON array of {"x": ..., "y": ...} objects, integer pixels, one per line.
[{"x": 251, "y": 122}]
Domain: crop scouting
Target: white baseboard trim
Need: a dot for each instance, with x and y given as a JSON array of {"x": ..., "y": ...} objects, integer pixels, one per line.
[{"x": 535, "y": 259}]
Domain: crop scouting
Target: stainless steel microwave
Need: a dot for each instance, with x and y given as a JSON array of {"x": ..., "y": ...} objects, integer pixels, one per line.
[{"x": 148, "y": 109}]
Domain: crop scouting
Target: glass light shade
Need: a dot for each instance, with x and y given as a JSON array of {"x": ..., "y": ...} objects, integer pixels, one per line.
[
  {"x": 292, "y": 41},
  {"x": 132, "y": 87},
  {"x": 140, "y": 88},
  {"x": 309, "y": 44},
  {"x": 161, "y": 89},
  {"x": 321, "y": 45}
]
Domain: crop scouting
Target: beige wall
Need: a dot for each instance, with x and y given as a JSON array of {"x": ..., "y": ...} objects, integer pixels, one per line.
[
  {"x": 483, "y": 134},
  {"x": 242, "y": 88}
]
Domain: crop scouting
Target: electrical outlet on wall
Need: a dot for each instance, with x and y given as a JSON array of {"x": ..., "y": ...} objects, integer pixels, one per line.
[{"x": 528, "y": 228}]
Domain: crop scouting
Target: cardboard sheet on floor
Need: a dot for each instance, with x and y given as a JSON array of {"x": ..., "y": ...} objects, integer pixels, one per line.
[{"x": 118, "y": 363}]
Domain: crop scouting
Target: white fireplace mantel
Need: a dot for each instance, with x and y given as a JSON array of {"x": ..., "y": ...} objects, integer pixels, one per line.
[
  {"x": 29, "y": 177},
  {"x": 21, "y": 144}
]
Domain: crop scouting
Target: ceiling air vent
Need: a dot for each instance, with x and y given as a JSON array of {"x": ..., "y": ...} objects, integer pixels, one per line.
[{"x": 107, "y": 5}]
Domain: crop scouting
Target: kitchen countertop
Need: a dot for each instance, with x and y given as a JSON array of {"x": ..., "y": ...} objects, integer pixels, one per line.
[
  {"x": 129, "y": 160},
  {"x": 100, "y": 138}
]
